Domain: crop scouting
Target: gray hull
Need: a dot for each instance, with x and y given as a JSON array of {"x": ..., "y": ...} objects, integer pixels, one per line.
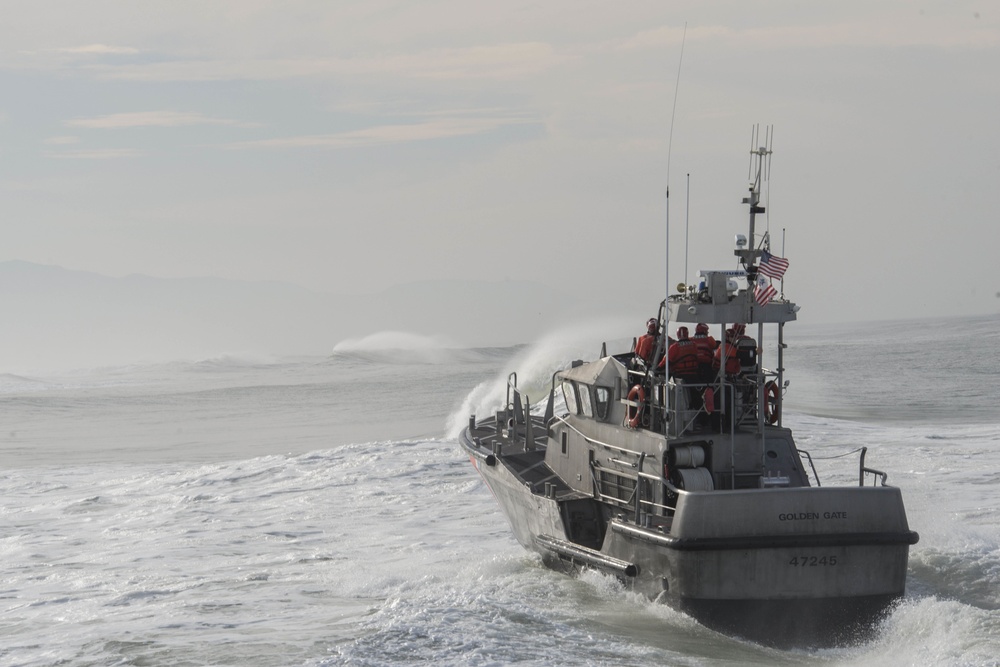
[{"x": 782, "y": 566}]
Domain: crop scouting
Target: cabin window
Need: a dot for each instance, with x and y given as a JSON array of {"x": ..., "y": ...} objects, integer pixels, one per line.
[
  {"x": 569, "y": 393},
  {"x": 602, "y": 403},
  {"x": 585, "y": 404}
]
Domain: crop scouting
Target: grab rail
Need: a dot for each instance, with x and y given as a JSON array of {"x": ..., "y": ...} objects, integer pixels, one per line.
[
  {"x": 870, "y": 471},
  {"x": 883, "y": 477},
  {"x": 586, "y": 437},
  {"x": 811, "y": 464},
  {"x": 635, "y": 502},
  {"x": 517, "y": 412},
  {"x": 514, "y": 409}
]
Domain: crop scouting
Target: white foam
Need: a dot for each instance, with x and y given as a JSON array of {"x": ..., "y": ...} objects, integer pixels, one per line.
[
  {"x": 394, "y": 340},
  {"x": 931, "y": 631},
  {"x": 536, "y": 364}
]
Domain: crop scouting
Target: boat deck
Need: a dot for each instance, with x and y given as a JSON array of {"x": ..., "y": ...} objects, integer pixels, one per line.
[{"x": 527, "y": 464}]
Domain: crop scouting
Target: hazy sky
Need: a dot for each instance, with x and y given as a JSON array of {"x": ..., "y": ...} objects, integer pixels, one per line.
[{"x": 348, "y": 146}]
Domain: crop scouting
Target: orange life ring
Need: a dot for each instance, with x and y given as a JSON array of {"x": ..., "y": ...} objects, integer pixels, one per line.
[
  {"x": 634, "y": 414},
  {"x": 772, "y": 405}
]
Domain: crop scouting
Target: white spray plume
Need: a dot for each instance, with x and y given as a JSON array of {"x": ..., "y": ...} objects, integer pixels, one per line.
[
  {"x": 393, "y": 340},
  {"x": 536, "y": 364}
]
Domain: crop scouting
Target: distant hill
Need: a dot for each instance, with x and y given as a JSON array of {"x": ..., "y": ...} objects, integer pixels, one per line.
[{"x": 54, "y": 318}]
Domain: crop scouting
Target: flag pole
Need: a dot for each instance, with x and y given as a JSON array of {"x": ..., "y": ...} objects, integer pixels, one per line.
[{"x": 783, "y": 255}]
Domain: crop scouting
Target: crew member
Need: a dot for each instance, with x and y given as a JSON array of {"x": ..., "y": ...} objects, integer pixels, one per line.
[
  {"x": 706, "y": 349},
  {"x": 646, "y": 345},
  {"x": 683, "y": 357},
  {"x": 727, "y": 350},
  {"x": 746, "y": 350}
]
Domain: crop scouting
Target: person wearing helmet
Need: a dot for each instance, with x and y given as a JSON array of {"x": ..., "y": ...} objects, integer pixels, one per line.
[{"x": 645, "y": 347}]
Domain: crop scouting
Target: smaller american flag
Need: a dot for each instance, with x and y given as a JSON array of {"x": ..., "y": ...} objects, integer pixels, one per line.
[
  {"x": 764, "y": 291},
  {"x": 771, "y": 266}
]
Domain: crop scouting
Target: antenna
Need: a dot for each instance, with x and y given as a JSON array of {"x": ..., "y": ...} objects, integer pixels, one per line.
[
  {"x": 673, "y": 111},
  {"x": 666, "y": 267},
  {"x": 687, "y": 226},
  {"x": 767, "y": 177}
]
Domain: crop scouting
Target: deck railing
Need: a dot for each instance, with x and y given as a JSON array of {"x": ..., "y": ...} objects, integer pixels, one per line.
[
  {"x": 878, "y": 475},
  {"x": 517, "y": 413},
  {"x": 869, "y": 471},
  {"x": 738, "y": 400}
]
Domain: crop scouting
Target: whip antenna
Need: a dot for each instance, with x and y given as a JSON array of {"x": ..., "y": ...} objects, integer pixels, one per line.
[
  {"x": 769, "y": 142},
  {"x": 673, "y": 112},
  {"x": 666, "y": 268},
  {"x": 670, "y": 143}
]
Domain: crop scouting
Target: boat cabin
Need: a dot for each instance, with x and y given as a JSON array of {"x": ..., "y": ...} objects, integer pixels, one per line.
[{"x": 627, "y": 422}]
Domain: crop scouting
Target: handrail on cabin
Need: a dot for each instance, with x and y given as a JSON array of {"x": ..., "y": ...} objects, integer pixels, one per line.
[
  {"x": 870, "y": 471},
  {"x": 811, "y": 464}
]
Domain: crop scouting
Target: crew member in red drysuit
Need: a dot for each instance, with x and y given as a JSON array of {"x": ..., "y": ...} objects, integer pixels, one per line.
[
  {"x": 646, "y": 345},
  {"x": 682, "y": 356},
  {"x": 706, "y": 350},
  {"x": 728, "y": 349}
]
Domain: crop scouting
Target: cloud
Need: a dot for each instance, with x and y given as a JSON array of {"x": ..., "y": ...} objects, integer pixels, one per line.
[
  {"x": 152, "y": 119},
  {"x": 502, "y": 61},
  {"x": 527, "y": 59},
  {"x": 670, "y": 35},
  {"x": 894, "y": 31},
  {"x": 97, "y": 154},
  {"x": 442, "y": 128},
  {"x": 493, "y": 62},
  {"x": 61, "y": 141},
  {"x": 915, "y": 30},
  {"x": 100, "y": 49}
]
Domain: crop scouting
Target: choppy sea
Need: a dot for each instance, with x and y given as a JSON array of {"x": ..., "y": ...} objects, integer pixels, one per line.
[{"x": 318, "y": 511}]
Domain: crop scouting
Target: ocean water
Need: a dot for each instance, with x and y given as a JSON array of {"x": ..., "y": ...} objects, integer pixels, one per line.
[{"x": 318, "y": 511}]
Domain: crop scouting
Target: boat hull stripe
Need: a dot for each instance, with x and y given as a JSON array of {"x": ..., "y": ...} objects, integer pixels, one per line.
[{"x": 767, "y": 541}]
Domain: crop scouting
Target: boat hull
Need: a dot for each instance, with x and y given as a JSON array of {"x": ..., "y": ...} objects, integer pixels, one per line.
[
  {"x": 783, "y": 567},
  {"x": 791, "y": 623}
]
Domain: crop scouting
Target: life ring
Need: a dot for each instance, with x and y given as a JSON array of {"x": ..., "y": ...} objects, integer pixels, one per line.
[
  {"x": 634, "y": 414},
  {"x": 772, "y": 404}
]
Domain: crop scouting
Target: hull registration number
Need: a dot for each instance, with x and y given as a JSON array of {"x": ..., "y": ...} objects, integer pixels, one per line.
[{"x": 813, "y": 561}]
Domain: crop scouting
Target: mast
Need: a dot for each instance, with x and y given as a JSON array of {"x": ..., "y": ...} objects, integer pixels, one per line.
[{"x": 758, "y": 172}]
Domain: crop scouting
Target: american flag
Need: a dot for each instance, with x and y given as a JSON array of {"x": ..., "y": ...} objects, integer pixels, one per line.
[
  {"x": 764, "y": 291},
  {"x": 771, "y": 266}
]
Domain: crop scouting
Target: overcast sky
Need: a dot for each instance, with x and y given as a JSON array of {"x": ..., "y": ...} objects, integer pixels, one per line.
[{"x": 347, "y": 146}]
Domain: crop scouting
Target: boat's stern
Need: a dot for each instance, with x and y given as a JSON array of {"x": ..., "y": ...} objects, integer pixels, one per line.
[{"x": 781, "y": 566}]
